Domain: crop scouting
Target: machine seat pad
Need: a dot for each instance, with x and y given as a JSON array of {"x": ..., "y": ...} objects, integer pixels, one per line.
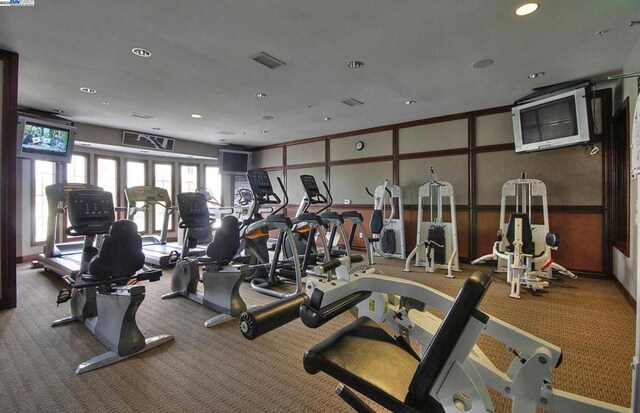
[
  {"x": 352, "y": 214},
  {"x": 366, "y": 358},
  {"x": 226, "y": 240},
  {"x": 278, "y": 218},
  {"x": 332, "y": 216},
  {"x": 121, "y": 252}
]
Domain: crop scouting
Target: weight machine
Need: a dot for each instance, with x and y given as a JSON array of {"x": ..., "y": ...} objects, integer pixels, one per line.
[
  {"x": 515, "y": 253},
  {"x": 388, "y": 230},
  {"x": 435, "y": 239}
]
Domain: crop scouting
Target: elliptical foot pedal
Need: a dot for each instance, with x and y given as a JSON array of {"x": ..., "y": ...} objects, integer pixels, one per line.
[{"x": 64, "y": 295}]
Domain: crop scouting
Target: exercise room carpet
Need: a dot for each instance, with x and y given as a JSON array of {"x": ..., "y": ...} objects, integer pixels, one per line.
[{"x": 217, "y": 370}]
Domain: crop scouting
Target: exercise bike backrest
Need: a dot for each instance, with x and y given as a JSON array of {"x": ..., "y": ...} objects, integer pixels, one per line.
[{"x": 91, "y": 212}]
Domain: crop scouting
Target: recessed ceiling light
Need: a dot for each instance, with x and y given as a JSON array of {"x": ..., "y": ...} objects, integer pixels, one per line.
[
  {"x": 223, "y": 140},
  {"x": 105, "y": 103},
  {"x": 261, "y": 95},
  {"x": 481, "y": 64},
  {"x": 155, "y": 128},
  {"x": 58, "y": 111},
  {"x": 634, "y": 23},
  {"x": 264, "y": 131},
  {"x": 355, "y": 64},
  {"x": 527, "y": 9},
  {"x": 536, "y": 75},
  {"x": 326, "y": 118},
  {"x": 88, "y": 90},
  {"x": 601, "y": 33},
  {"x": 409, "y": 102},
  {"x": 196, "y": 116},
  {"x": 140, "y": 52},
  {"x": 267, "y": 117}
]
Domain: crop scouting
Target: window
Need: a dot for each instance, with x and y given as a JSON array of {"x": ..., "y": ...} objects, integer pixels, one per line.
[
  {"x": 107, "y": 176},
  {"x": 188, "y": 178},
  {"x": 163, "y": 178},
  {"x": 77, "y": 173},
  {"x": 136, "y": 174},
  {"x": 44, "y": 174},
  {"x": 213, "y": 181},
  {"x": 77, "y": 170}
]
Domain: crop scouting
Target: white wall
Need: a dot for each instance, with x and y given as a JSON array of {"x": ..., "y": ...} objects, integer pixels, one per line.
[{"x": 625, "y": 268}]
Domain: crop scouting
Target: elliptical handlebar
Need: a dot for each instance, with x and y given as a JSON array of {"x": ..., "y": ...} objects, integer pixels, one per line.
[
  {"x": 328, "y": 200},
  {"x": 284, "y": 194}
]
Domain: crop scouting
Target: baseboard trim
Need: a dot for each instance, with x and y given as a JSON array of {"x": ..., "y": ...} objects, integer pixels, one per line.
[
  {"x": 26, "y": 258},
  {"x": 627, "y": 296}
]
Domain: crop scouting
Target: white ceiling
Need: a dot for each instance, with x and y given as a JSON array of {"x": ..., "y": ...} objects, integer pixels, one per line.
[{"x": 412, "y": 49}]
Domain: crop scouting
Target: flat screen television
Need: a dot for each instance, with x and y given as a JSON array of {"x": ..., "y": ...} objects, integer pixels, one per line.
[
  {"x": 556, "y": 121},
  {"x": 45, "y": 140},
  {"x": 234, "y": 162}
]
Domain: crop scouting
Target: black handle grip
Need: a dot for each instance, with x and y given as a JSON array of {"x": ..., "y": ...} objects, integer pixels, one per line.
[
  {"x": 261, "y": 320},
  {"x": 335, "y": 263}
]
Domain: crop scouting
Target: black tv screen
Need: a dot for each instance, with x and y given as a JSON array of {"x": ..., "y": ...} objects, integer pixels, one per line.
[
  {"x": 234, "y": 162},
  {"x": 42, "y": 140}
]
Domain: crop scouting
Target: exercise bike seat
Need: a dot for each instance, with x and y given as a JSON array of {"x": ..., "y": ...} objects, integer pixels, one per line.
[
  {"x": 226, "y": 240},
  {"x": 121, "y": 252}
]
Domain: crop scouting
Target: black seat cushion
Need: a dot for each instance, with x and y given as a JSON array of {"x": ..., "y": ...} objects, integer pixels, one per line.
[
  {"x": 528, "y": 247},
  {"x": 376, "y": 222},
  {"x": 121, "y": 252},
  {"x": 352, "y": 214},
  {"x": 226, "y": 240},
  {"x": 366, "y": 358}
]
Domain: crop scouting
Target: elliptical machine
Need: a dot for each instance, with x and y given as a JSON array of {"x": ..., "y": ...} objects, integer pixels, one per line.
[
  {"x": 100, "y": 297},
  {"x": 220, "y": 279},
  {"x": 268, "y": 273},
  {"x": 388, "y": 232}
]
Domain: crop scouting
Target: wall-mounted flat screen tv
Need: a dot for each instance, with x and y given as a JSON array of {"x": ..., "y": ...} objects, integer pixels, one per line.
[
  {"x": 45, "y": 140},
  {"x": 550, "y": 122},
  {"x": 234, "y": 162}
]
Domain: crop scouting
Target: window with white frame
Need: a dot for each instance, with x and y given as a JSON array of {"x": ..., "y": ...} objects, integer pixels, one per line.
[
  {"x": 44, "y": 174},
  {"x": 188, "y": 178},
  {"x": 163, "y": 178},
  {"x": 136, "y": 175},
  {"x": 213, "y": 181}
]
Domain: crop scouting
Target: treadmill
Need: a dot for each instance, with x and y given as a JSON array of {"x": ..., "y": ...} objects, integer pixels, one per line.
[
  {"x": 60, "y": 258},
  {"x": 157, "y": 251}
]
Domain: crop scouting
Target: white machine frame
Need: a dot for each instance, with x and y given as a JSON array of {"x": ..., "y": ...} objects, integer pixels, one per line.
[
  {"x": 384, "y": 195},
  {"x": 435, "y": 191},
  {"x": 528, "y": 381},
  {"x": 519, "y": 266}
]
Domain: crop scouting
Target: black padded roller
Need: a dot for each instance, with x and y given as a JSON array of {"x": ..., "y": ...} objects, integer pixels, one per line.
[{"x": 261, "y": 320}]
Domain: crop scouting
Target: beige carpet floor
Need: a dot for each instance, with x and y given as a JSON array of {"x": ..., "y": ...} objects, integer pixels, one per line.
[{"x": 217, "y": 370}]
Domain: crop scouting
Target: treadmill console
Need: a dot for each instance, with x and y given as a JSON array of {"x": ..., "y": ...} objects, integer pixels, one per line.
[
  {"x": 150, "y": 195},
  {"x": 193, "y": 209},
  {"x": 90, "y": 212},
  {"x": 261, "y": 187}
]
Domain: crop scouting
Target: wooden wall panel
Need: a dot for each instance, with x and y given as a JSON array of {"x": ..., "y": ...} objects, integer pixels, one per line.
[
  {"x": 267, "y": 158},
  {"x": 494, "y": 129},
  {"x": 572, "y": 177},
  {"x": 434, "y": 137},
  {"x": 294, "y": 186},
  {"x": 349, "y": 181},
  {"x": 375, "y": 144},
  {"x": 305, "y": 153},
  {"x": 581, "y": 237},
  {"x": 454, "y": 169}
]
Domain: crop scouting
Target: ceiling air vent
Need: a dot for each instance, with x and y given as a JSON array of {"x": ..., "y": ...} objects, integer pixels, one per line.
[
  {"x": 352, "y": 102},
  {"x": 224, "y": 132},
  {"x": 140, "y": 115},
  {"x": 267, "y": 60}
]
